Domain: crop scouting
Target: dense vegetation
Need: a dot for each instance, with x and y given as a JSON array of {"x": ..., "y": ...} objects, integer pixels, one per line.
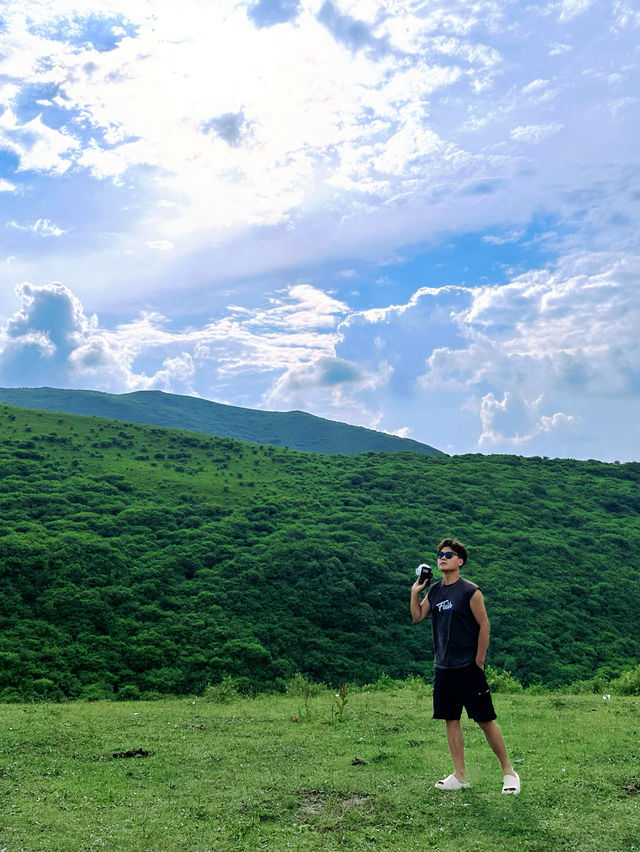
[
  {"x": 294, "y": 429},
  {"x": 139, "y": 560}
]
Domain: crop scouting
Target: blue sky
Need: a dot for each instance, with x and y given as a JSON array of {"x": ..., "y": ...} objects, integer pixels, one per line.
[{"x": 420, "y": 217}]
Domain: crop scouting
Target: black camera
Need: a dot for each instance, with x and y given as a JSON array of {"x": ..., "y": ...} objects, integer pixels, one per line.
[{"x": 425, "y": 573}]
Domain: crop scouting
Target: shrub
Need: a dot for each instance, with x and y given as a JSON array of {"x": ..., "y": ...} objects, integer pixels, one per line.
[
  {"x": 628, "y": 683},
  {"x": 45, "y": 689},
  {"x": 128, "y": 692},
  {"x": 417, "y": 684},
  {"x": 502, "y": 681},
  {"x": 95, "y": 692},
  {"x": 299, "y": 685},
  {"x": 9, "y": 695},
  {"x": 538, "y": 689},
  {"x": 589, "y": 686},
  {"x": 223, "y": 692},
  {"x": 384, "y": 684},
  {"x": 151, "y": 695}
]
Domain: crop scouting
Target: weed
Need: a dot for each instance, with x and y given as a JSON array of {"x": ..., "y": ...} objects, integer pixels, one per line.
[{"x": 339, "y": 702}]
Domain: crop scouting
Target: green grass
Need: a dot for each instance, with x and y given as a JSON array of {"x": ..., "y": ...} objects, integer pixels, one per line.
[{"x": 244, "y": 776}]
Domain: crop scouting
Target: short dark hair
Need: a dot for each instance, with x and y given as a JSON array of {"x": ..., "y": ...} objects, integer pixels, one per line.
[{"x": 455, "y": 545}]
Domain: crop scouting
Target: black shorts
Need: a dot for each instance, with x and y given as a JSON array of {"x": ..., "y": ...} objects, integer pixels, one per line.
[{"x": 454, "y": 689}]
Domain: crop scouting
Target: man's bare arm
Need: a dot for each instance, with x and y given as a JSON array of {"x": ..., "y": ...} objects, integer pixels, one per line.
[
  {"x": 419, "y": 611},
  {"x": 480, "y": 614}
]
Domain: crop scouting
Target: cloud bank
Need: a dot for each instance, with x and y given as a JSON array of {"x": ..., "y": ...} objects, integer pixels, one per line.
[{"x": 544, "y": 363}]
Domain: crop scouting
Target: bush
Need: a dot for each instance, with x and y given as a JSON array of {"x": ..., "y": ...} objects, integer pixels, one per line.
[
  {"x": 417, "y": 684},
  {"x": 45, "y": 689},
  {"x": 628, "y": 683},
  {"x": 299, "y": 685},
  {"x": 590, "y": 686},
  {"x": 9, "y": 695},
  {"x": 223, "y": 692},
  {"x": 502, "y": 681},
  {"x": 95, "y": 692},
  {"x": 538, "y": 689},
  {"x": 384, "y": 684},
  {"x": 128, "y": 692}
]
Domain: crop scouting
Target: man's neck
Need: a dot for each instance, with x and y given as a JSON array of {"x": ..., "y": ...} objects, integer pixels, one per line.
[{"x": 450, "y": 577}]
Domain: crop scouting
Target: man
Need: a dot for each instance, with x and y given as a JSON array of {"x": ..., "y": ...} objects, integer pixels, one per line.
[{"x": 461, "y": 638}]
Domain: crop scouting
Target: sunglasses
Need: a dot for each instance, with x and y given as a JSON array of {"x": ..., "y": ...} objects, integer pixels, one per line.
[{"x": 448, "y": 554}]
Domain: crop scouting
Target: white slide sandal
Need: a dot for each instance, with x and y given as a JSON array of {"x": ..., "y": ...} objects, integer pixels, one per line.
[
  {"x": 450, "y": 783},
  {"x": 511, "y": 784}
]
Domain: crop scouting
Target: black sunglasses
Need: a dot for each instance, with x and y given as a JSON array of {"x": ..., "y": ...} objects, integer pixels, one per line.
[{"x": 448, "y": 554}]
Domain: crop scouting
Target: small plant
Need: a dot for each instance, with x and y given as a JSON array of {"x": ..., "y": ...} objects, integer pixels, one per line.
[
  {"x": 305, "y": 715},
  {"x": 339, "y": 701},
  {"x": 300, "y": 687}
]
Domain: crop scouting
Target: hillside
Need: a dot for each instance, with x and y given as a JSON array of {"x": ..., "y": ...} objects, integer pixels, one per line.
[
  {"x": 294, "y": 429},
  {"x": 135, "y": 559}
]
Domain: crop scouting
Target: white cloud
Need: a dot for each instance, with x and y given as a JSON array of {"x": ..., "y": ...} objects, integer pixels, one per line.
[
  {"x": 525, "y": 366},
  {"x": 37, "y": 146},
  {"x": 563, "y": 337},
  {"x": 534, "y": 132},
  {"x": 160, "y": 245},
  {"x": 303, "y": 307},
  {"x": 570, "y": 9},
  {"x": 328, "y": 126},
  {"x": 625, "y": 14},
  {"x": 520, "y": 420},
  {"x": 42, "y": 227},
  {"x": 528, "y": 366},
  {"x": 296, "y": 330}
]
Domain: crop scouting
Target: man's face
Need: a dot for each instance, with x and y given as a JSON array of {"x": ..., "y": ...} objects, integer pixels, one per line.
[{"x": 448, "y": 560}]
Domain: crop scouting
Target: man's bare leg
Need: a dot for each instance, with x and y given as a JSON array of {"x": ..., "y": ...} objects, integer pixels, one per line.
[
  {"x": 456, "y": 747},
  {"x": 494, "y": 738}
]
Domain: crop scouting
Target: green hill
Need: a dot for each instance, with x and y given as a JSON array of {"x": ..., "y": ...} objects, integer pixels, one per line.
[
  {"x": 138, "y": 559},
  {"x": 294, "y": 429}
]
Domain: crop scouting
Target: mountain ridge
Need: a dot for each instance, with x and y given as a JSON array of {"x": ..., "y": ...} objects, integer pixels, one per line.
[{"x": 297, "y": 430}]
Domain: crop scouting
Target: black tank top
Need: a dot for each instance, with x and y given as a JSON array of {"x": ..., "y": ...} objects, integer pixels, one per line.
[{"x": 455, "y": 630}]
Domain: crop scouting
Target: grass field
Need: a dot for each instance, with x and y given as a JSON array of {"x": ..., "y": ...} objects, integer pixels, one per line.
[{"x": 244, "y": 776}]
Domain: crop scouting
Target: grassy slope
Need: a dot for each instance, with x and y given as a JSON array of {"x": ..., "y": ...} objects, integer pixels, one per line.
[
  {"x": 243, "y": 776},
  {"x": 295, "y": 429}
]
